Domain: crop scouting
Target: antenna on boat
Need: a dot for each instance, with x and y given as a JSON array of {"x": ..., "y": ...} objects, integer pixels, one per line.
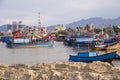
[{"x": 39, "y": 22}]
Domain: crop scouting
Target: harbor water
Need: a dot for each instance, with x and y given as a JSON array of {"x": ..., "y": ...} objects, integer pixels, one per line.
[{"x": 59, "y": 52}]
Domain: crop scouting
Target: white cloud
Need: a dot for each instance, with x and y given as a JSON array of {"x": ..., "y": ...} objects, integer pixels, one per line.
[{"x": 57, "y": 11}]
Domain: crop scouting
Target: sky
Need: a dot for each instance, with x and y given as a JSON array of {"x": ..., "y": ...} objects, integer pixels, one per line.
[{"x": 54, "y": 12}]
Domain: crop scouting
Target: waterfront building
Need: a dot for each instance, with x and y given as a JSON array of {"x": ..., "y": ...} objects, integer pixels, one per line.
[{"x": 12, "y": 27}]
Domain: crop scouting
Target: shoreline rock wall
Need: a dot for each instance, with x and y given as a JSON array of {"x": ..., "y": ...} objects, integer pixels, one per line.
[{"x": 60, "y": 71}]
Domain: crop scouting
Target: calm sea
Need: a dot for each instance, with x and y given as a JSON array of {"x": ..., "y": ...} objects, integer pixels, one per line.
[{"x": 59, "y": 52}]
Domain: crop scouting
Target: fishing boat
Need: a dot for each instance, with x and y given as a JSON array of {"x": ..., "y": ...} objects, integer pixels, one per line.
[
  {"x": 82, "y": 41},
  {"x": 92, "y": 56},
  {"x": 38, "y": 38},
  {"x": 106, "y": 45}
]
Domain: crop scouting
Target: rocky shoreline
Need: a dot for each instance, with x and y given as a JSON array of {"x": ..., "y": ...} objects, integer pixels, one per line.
[{"x": 60, "y": 71}]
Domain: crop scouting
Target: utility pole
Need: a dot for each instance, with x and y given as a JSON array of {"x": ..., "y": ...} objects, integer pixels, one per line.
[
  {"x": 102, "y": 28},
  {"x": 39, "y": 22}
]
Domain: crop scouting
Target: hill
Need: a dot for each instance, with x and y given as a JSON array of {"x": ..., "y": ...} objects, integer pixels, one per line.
[{"x": 96, "y": 21}]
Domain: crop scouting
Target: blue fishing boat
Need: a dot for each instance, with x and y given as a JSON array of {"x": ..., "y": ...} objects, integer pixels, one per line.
[
  {"x": 83, "y": 41},
  {"x": 29, "y": 40},
  {"x": 92, "y": 56}
]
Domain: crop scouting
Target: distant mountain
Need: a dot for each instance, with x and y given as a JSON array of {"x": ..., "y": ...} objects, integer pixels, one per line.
[{"x": 97, "y": 22}]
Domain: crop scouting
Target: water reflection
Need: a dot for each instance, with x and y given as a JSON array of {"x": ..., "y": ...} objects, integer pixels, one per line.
[{"x": 36, "y": 55}]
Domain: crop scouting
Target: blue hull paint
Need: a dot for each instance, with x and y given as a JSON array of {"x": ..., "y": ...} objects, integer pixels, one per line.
[
  {"x": 37, "y": 43},
  {"x": 82, "y": 44},
  {"x": 30, "y": 45},
  {"x": 5, "y": 38},
  {"x": 84, "y": 58},
  {"x": 81, "y": 41}
]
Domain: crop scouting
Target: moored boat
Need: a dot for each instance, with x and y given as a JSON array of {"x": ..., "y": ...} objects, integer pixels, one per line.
[
  {"x": 92, "y": 56},
  {"x": 107, "y": 46},
  {"x": 83, "y": 41},
  {"x": 38, "y": 38}
]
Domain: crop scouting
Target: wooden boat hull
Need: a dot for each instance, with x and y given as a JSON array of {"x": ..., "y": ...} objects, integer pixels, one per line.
[
  {"x": 108, "y": 57},
  {"x": 116, "y": 46},
  {"x": 111, "y": 47}
]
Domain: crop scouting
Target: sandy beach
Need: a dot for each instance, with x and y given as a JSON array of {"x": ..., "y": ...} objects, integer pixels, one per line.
[{"x": 60, "y": 71}]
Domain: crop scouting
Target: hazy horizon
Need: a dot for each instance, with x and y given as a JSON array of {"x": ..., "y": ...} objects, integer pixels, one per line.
[{"x": 54, "y": 12}]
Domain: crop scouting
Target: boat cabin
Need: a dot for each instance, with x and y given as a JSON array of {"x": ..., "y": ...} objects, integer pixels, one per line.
[{"x": 87, "y": 54}]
